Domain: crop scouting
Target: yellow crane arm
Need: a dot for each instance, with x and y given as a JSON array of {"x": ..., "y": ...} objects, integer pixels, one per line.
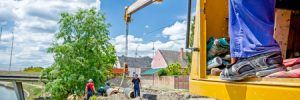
[{"x": 139, "y": 4}]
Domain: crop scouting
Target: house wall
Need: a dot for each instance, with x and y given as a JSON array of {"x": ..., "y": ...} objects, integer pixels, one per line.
[
  {"x": 167, "y": 82},
  {"x": 117, "y": 64},
  {"x": 147, "y": 80},
  {"x": 158, "y": 61}
]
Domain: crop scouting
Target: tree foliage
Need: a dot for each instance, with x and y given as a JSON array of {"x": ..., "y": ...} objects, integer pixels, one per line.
[
  {"x": 33, "y": 69},
  {"x": 81, "y": 51},
  {"x": 192, "y": 30},
  {"x": 189, "y": 62},
  {"x": 163, "y": 72},
  {"x": 172, "y": 69}
]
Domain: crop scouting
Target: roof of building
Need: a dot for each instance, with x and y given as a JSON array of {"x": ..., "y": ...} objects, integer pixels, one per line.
[
  {"x": 140, "y": 62},
  {"x": 119, "y": 70},
  {"x": 150, "y": 71},
  {"x": 172, "y": 57}
]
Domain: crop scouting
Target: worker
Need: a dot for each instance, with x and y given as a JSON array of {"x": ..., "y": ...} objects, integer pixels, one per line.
[
  {"x": 90, "y": 89},
  {"x": 136, "y": 85},
  {"x": 102, "y": 90},
  {"x": 253, "y": 49},
  {"x": 107, "y": 86}
]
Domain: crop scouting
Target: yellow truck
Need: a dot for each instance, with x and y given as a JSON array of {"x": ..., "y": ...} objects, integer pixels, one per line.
[{"x": 211, "y": 20}]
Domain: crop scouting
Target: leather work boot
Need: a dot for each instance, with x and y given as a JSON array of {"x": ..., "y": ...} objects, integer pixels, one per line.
[{"x": 260, "y": 65}]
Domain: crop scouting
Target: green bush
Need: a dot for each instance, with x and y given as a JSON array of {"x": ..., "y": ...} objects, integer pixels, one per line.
[
  {"x": 174, "y": 69},
  {"x": 186, "y": 71},
  {"x": 163, "y": 72}
]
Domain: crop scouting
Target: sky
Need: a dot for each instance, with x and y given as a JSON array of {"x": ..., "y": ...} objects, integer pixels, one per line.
[{"x": 34, "y": 23}]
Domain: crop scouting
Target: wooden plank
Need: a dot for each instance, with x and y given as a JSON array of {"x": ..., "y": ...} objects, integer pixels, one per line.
[{"x": 282, "y": 26}]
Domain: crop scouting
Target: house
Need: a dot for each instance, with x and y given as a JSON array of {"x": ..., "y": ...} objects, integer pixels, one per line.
[
  {"x": 135, "y": 65},
  {"x": 163, "y": 58}
]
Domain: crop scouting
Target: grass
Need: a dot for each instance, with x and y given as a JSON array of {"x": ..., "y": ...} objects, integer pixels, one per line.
[{"x": 34, "y": 92}]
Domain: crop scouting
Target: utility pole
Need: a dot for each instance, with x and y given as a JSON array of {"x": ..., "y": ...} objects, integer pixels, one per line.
[
  {"x": 11, "y": 50},
  {"x": 126, "y": 52}
]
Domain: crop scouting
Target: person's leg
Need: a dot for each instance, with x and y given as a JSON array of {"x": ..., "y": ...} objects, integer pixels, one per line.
[
  {"x": 138, "y": 92},
  {"x": 88, "y": 95},
  {"x": 251, "y": 39},
  {"x": 135, "y": 92}
]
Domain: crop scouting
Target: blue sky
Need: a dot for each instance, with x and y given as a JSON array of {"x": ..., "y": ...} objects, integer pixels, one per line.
[
  {"x": 34, "y": 22},
  {"x": 154, "y": 16}
]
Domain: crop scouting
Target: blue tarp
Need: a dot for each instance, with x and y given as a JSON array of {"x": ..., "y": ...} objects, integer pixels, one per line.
[{"x": 150, "y": 71}]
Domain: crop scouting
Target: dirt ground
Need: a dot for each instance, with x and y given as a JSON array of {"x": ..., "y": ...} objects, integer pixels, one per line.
[
  {"x": 150, "y": 93},
  {"x": 157, "y": 94}
]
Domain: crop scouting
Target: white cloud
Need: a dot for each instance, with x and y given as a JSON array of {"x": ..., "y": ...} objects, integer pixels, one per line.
[
  {"x": 147, "y": 26},
  {"x": 34, "y": 23},
  {"x": 131, "y": 39},
  {"x": 175, "y": 33}
]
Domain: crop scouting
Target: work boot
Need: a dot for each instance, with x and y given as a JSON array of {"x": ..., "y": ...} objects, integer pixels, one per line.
[{"x": 260, "y": 65}]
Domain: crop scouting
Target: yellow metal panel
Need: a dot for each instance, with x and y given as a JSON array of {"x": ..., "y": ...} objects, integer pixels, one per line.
[
  {"x": 202, "y": 39},
  {"x": 212, "y": 18},
  {"x": 216, "y": 12},
  {"x": 243, "y": 91},
  {"x": 211, "y": 21}
]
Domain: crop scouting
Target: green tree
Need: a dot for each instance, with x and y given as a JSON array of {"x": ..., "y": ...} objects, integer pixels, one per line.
[
  {"x": 81, "y": 51},
  {"x": 189, "y": 62},
  {"x": 174, "y": 69},
  {"x": 192, "y": 30},
  {"x": 33, "y": 69}
]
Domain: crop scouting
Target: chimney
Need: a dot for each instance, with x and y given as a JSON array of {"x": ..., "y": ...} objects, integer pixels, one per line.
[{"x": 181, "y": 54}]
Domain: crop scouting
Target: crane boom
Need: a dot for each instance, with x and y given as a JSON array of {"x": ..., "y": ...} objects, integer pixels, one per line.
[{"x": 139, "y": 4}]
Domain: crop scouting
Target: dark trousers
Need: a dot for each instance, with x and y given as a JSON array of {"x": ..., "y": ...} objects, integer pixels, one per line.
[
  {"x": 89, "y": 94},
  {"x": 136, "y": 92}
]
